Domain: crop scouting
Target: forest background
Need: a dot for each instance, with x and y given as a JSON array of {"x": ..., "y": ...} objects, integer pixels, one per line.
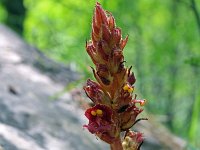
[{"x": 163, "y": 47}]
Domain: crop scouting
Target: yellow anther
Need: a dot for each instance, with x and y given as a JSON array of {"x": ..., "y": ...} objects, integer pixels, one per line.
[
  {"x": 99, "y": 112},
  {"x": 128, "y": 88},
  {"x": 93, "y": 113},
  {"x": 142, "y": 103}
]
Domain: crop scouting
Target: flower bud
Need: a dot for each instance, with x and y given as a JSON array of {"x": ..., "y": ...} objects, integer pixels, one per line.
[
  {"x": 131, "y": 79},
  {"x": 111, "y": 22},
  {"x": 132, "y": 141},
  {"x": 91, "y": 51},
  {"x": 101, "y": 52},
  {"x": 106, "y": 33},
  {"x": 116, "y": 35},
  {"x": 123, "y": 43},
  {"x": 100, "y": 15},
  {"x": 103, "y": 74},
  {"x": 95, "y": 93},
  {"x": 129, "y": 117}
]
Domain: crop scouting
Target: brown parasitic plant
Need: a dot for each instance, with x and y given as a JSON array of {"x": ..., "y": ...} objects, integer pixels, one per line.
[{"x": 114, "y": 111}]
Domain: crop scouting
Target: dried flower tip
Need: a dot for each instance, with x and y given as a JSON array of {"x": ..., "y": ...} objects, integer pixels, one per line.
[
  {"x": 142, "y": 102},
  {"x": 128, "y": 88}
]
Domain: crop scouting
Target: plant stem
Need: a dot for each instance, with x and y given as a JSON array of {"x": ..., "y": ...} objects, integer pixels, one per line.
[{"x": 117, "y": 145}]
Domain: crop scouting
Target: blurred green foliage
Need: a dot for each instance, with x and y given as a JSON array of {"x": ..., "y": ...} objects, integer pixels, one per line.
[
  {"x": 163, "y": 47},
  {"x": 60, "y": 28},
  {"x": 3, "y": 13}
]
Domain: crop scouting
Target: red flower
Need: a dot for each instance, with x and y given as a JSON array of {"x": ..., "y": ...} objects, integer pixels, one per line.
[
  {"x": 99, "y": 118},
  {"x": 101, "y": 123}
]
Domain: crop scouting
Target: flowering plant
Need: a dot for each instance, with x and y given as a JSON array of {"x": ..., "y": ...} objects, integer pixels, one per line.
[{"x": 114, "y": 109}]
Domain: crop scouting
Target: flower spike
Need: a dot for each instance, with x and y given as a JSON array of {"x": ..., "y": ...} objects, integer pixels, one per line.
[{"x": 114, "y": 109}]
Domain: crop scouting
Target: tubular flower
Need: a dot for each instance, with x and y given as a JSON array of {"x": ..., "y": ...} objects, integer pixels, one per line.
[
  {"x": 101, "y": 122},
  {"x": 95, "y": 92},
  {"x": 99, "y": 118},
  {"x": 115, "y": 110}
]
